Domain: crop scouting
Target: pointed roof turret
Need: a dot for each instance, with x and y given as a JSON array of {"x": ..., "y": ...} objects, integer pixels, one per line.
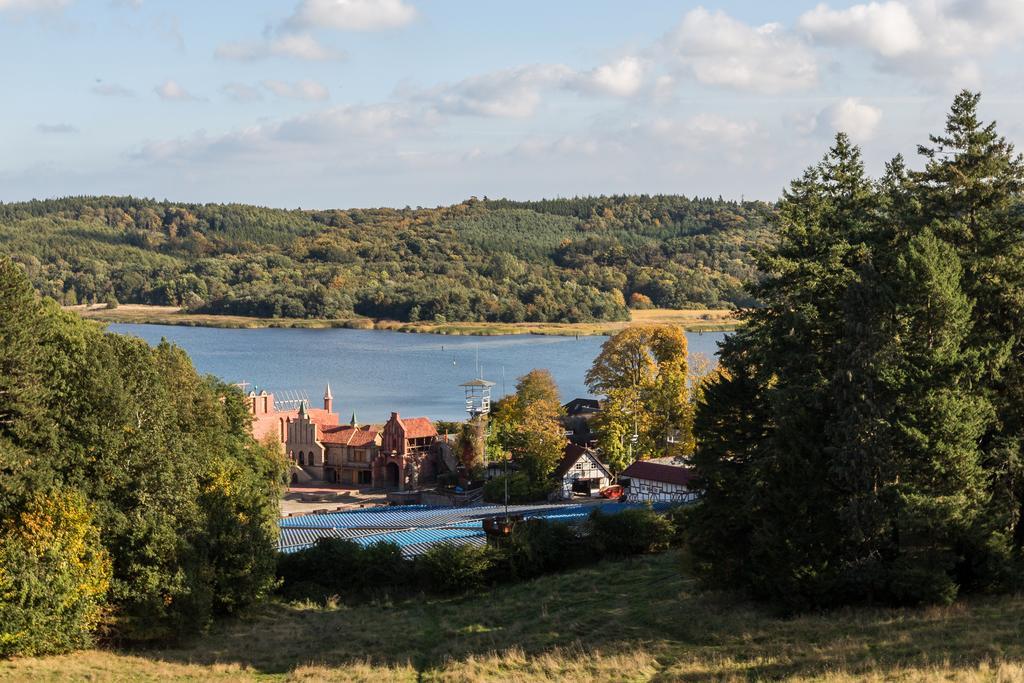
[
  {"x": 302, "y": 409},
  {"x": 327, "y": 393},
  {"x": 354, "y": 423}
]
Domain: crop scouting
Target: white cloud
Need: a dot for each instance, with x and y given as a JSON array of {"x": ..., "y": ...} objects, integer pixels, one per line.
[
  {"x": 703, "y": 130},
  {"x": 293, "y": 45},
  {"x": 510, "y": 93},
  {"x": 853, "y": 117},
  {"x": 33, "y": 5},
  {"x": 56, "y": 128},
  {"x": 240, "y": 92},
  {"x": 622, "y": 78},
  {"x": 716, "y": 49},
  {"x": 352, "y": 15},
  {"x": 299, "y": 90},
  {"x": 517, "y": 92},
  {"x": 173, "y": 91},
  {"x": 112, "y": 90},
  {"x": 887, "y": 28},
  {"x": 344, "y": 130},
  {"x": 937, "y": 39}
]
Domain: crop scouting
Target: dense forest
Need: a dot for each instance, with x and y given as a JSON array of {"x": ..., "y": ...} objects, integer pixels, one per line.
[{"x": 562, "y": 260}]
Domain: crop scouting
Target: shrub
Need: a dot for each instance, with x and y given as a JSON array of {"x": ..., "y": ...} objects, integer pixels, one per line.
[
  {"x": 448, "y": 568},
  {"x": 630, "y": 532},
  {"x": 54, "y": 575},
  {"x": 679, "y": 516},
  {"x": 520, "y": 489},
  {"x": 384, "y": 568},
  {"x": 343, "y": 568},
  {"x": 921, "y": 579},
  {"x": 638, "y": 301},
  {"x": 538, "y": 546}
]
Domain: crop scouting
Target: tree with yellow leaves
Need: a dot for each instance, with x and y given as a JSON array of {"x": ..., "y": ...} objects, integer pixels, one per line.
[{"x": 643, "y": 375}]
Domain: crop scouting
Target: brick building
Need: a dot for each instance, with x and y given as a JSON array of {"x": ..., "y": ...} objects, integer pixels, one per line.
[
  {"x": 403, "y": 460},
  {"x": 270, "y": 423}
]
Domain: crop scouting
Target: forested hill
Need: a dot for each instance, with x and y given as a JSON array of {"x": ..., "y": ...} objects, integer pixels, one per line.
[{"x": 571, "y": 260}]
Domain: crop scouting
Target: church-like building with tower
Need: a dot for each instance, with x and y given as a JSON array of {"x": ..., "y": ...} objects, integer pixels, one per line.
[{"x": 401, "y": 454}]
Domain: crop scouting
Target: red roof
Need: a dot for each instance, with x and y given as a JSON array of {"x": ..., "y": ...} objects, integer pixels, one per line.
[
  {"x": 657, "y": 471},
  {"x": 418, "y": 427},
  {"x": 321, "y": 417},
  {"x": 348, "y": 436}
]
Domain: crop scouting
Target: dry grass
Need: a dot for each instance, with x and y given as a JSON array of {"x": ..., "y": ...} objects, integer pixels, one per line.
[
  {"x": 639, "y": 620},
  {"x": 694, "y": 320}
]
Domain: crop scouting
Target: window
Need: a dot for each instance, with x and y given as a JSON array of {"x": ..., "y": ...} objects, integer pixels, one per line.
[{"x": 302, "y": 458}]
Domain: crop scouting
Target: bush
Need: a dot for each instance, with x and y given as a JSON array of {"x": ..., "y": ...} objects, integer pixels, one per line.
[
  {"x": 520, "y": 489},
  {"x": 54, "y": 576},
  {"x": 630, "y": 532},
  {"x": 921, "y": 579},
  {"x": 679, "y": 516},
  {"x": 538, "y": 546},
  {"x": 448, "y": 568},
  {"x": 343, "y": 568}
]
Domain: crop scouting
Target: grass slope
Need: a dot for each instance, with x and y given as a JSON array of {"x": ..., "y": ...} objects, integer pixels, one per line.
[{"x": 640, "y": 620}]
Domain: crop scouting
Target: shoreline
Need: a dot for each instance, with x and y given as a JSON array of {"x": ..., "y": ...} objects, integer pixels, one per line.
[{"x": 693, "y": 320}]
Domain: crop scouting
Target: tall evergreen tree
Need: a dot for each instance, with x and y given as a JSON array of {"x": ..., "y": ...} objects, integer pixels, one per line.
[
  {"x": 884, "y": 372},
  {"x": 970, "y": 190},
  {"x": 908, "y": 465}
]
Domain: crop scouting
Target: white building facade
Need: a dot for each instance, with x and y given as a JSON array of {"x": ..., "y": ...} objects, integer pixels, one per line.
[
  {"x": 661, "y": 480},
  {"x": 580, "y": 472}
]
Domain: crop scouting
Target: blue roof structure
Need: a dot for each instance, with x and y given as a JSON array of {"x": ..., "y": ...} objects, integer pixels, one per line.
[{"x": 415, "y": 528}]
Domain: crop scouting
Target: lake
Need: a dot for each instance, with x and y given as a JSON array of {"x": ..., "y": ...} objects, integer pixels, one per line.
[{"x": 375, "y": 372}]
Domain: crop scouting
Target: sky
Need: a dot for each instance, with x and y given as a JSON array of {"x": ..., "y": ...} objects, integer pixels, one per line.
[{"x": 359, "y": 103}]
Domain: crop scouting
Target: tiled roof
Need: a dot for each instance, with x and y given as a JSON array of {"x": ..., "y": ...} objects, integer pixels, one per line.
[
  {"x": 347, "y": 436},
  {"x": 322, "y": 417},
  {"x": 418, "y": 427},
  {"x": 660, "y": 471}
]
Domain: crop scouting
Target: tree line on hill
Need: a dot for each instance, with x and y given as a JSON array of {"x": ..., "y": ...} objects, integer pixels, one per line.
[
  {"x": 864, "y": 440},
  {"x": 134, "y": 504},
  {"x": 567, "y": 260}
]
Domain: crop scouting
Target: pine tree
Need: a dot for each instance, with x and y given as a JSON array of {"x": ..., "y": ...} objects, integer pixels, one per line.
[
  {"x": 909, "y": 467},
  {"x": 971, "y": 192},
  {"x": 863, "y": 441}
]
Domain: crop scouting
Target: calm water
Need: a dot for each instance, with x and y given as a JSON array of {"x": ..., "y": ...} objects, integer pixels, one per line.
[{"x": 374, "y": 372}]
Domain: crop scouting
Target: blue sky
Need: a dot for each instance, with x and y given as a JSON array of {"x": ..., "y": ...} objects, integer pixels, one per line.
[{"x": 339, "y": 103}]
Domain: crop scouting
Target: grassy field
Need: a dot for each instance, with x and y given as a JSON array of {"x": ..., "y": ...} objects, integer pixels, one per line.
[
  {"x": 639, "y": 620},
  {"x": 169, "y": 315}
]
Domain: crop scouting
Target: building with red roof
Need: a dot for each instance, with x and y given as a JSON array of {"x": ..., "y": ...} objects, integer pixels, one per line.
[
  {"x": 269, "y": 422},
  {"x": 659, "y": 480},
  {"x": 397, "y": 455},
  {"x": 403, "y": 460}
]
